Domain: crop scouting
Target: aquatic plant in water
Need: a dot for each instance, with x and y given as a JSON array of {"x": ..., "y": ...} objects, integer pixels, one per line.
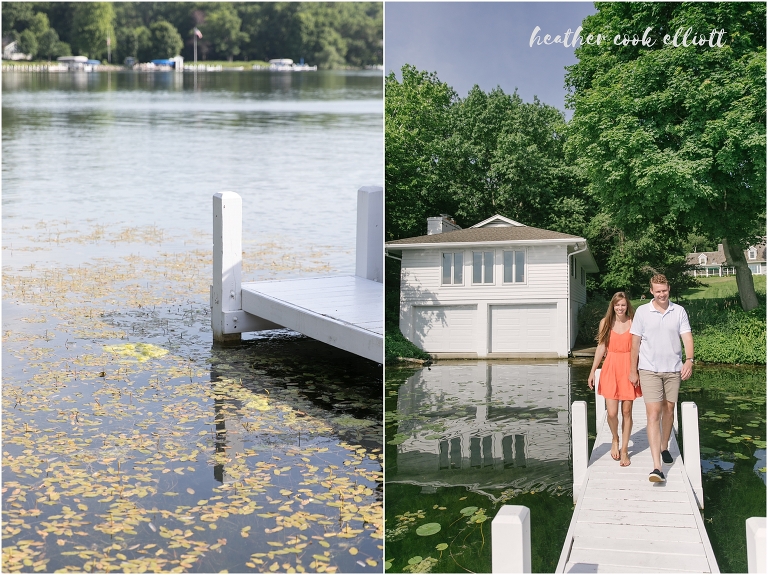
[{"x": 128, "y": 445}]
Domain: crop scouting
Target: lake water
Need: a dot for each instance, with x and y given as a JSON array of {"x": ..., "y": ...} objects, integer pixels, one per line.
[
  {"x": 465, "y": 437},
  {"x": 129, "y": 441}
]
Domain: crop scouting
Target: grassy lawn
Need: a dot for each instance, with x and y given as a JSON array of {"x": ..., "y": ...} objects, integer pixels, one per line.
[{"x": 718, "y": 288}]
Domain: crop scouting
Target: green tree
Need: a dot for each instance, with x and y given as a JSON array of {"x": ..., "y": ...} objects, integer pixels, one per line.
[
  {"x": 474, "y": 157},
  {"x": 417, "y": 120},
  {"x": 222, "y": 27},
  {"x": 48, "y": 44},
  {"x": 28, "y": 43},
  {"x": 166, "y": 40},
  {"x": 672, "y": 140},
  {"x": 16, "y": 16},
  {"x": 93, "y": 23}
]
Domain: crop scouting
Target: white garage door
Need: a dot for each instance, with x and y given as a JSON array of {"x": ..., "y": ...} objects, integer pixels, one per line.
[
  {"x": 445, "y": 329},
  {"x": 523, "y": 328}
]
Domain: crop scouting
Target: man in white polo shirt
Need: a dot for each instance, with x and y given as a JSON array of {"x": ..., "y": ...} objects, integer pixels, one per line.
[{"x": 657, "y": 366}]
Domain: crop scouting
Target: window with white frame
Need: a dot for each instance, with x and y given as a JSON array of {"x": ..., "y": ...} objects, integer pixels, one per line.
[
  {"x": 453, "y": 268},
  {"x": 482, "y": 267},
  {"x": 514, "y": 266},
  {"x": 752, "y": 253},
  {"x": 702, "y": 260}
]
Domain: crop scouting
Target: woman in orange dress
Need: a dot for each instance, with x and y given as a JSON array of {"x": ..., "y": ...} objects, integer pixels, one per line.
[{"x": 615, "y": 342}]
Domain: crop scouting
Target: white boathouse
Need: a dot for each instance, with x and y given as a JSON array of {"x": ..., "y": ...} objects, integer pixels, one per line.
[{"x": 499, "y": 289}]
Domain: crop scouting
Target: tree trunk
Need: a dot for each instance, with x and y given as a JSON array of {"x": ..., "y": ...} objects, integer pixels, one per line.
[{"x": 744, "y": 280}]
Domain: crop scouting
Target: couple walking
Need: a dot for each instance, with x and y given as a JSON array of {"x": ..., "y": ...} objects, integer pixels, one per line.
[{"x": 643, "y": 358}]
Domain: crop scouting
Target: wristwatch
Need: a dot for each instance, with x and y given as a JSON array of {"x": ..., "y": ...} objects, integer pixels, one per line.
[{"x": 692, "y": 360}]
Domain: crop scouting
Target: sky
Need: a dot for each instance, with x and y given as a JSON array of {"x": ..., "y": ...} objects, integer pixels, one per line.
[{"x": 485, "y": 43}]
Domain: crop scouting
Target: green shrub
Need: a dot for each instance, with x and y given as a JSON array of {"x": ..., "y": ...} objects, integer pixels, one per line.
[
  {"x": 724, "y": 333},
  {"x": 590, "y": 315}
]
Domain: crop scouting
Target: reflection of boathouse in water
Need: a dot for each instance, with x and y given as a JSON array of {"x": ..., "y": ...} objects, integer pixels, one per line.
[{"x": 486, "y": 425}]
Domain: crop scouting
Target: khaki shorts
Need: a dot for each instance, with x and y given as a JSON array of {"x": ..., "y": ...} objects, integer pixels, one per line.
[{"x": 659, "y": 385}]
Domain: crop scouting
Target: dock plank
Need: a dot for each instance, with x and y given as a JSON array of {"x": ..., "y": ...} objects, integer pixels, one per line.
[
  {"x": 637, "y": 532},
  {"x": 640, "y": 546},
  {"x": 692, "y": 564}
]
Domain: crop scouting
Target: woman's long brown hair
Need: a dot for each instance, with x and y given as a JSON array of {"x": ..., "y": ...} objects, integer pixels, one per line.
[{"x": 604, "y": 336}]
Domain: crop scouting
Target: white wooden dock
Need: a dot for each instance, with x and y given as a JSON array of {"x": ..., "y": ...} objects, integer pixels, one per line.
[
  {"x": 344, "y": 311},
  {"x": 622, "y": 522}
]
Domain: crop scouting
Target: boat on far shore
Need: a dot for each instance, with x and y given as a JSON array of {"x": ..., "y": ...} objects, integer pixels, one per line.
[{"x": 286, "y": 65}]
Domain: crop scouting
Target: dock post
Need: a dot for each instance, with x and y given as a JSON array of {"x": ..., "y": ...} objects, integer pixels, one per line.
[
  {"x": 511, "y": 540},
  {"x": 755, "y": 545},
  {"x": 579, "y": 441},
  {"x": 691, "y": 452},
  {"x": 227, "y": 261},
  {"x": 369, "y": 247},
  {"x": 599, "y": 403}
]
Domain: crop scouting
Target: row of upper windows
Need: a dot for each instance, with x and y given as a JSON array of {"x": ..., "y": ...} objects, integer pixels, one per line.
[
  {"x": 483, "y": 265},
  {"x": 513, "y": 268}
]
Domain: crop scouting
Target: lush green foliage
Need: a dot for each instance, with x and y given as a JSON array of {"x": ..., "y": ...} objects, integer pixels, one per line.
[
  {"x": 669, "y": 137},
  {"x": 166, "y": 41},
  {"x": 475, "y": 157},
  {"x": 92, "y": 24},
  {"x": 328, "y": 34},
  {"x": 722, "y": 331}
]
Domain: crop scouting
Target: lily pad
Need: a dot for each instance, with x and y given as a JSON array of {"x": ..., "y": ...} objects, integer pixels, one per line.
[
  {"x": 138, "y": 351},
  {"x": 428, "y": 529},
  {"x": 414, "y": 560},
  {"x": 468, "y": 511},
  {"x": 441, "y": 546}
]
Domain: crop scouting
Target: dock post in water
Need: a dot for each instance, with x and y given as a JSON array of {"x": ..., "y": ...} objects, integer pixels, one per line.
[
  {"x": 755, "y": 545},
  {"x": 691, "y": 451},
  {"x": 227, "y": 261},
  {"x": 369, "y": 247},
  {"x": 228, "y": 320},
  {"x": 579, "y": 440},
  {"x": 511, "y": 540}
]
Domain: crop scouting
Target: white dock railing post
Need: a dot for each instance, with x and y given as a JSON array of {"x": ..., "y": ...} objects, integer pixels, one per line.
[
  {"x": 599, "y": 404},
  {"x": 227, "y": 261},
  {"x": 755, "y": 545},
  {"x": 369, "y": 249},
  {"x": 511, "y": 540},
  {"x": 691, "y": 452},
  {"x": 579, "y": 441}
]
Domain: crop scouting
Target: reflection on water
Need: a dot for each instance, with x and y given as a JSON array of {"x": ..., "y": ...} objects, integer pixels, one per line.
[
  {"x": 486, "y": 426},
  {"x": 131, "y": 149}
]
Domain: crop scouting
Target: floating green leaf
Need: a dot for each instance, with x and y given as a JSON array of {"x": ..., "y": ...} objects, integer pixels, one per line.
[
  {"x": 428, "y": 529},
  {"x": 468, "y": 511}
]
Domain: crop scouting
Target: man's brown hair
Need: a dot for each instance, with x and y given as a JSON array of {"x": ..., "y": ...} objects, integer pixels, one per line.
[{"x": 659, "y": 279}]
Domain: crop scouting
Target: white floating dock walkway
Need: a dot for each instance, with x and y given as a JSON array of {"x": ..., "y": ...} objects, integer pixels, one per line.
[
  {"x": 344, "y": 311},
  {"x": 622, "y": 522}
]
